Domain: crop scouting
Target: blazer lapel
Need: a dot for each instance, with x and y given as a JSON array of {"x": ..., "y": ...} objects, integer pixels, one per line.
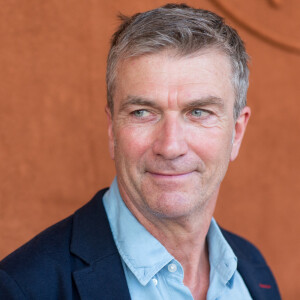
[
  {"x": 259, "y": 280},
  {"x": 103, "y": 280},
  {"x": 253, "y": 268},
  {"x": 92, "y": 241}
]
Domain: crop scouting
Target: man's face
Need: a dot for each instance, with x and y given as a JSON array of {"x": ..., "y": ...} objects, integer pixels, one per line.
[{"x": 172, "y": 133}]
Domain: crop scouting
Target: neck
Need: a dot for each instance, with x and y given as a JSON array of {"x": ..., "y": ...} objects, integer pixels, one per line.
[
  {"x": 185, "y": 240},
  {"x": 187, "y": 243}
]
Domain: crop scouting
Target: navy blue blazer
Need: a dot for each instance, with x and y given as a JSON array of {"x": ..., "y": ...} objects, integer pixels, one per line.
[{"x": 77, "y": 259}]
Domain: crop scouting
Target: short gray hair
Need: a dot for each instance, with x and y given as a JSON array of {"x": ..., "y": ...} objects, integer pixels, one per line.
[{"x": 185, "y": 30}]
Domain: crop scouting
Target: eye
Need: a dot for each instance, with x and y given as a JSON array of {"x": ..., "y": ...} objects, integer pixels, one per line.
[
  {"x": 199, "y": 113},
  {"x": 196, "y": 112},
  {"x": 140, "y": 113}
]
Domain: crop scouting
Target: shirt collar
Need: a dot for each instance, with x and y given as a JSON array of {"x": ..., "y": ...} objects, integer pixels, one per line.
[
  {"x": 143, "y": 254},
  {"x": 222, "y": 260}
]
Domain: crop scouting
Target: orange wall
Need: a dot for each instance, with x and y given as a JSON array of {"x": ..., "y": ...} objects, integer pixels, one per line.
[{"x": 53, "y": 153}]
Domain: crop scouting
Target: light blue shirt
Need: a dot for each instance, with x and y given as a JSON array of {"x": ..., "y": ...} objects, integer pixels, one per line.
[{"x": 153, "y": 273}]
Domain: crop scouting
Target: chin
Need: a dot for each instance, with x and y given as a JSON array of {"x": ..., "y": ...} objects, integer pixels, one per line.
[{"x": 173, "y": 205}]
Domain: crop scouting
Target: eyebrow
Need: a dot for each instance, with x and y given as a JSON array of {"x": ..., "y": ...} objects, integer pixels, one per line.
[
  {"x": 205, "y": 101},
  {"x": 140, "y": 101},
  {"x": 136, "y": 100}
]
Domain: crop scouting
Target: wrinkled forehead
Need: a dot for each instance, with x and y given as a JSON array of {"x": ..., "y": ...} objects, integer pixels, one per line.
[
  {"x": 162, "y": 76},
  {"x": 171, "y": 54}
]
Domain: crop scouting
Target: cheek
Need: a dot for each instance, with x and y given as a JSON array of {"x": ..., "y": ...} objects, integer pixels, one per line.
[
  {"x": 131, "y": 144},
  {"x": 211, "y": 145}
]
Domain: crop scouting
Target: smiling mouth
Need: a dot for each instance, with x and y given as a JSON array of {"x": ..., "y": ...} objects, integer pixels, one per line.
[{"x": 170, "y": 175}]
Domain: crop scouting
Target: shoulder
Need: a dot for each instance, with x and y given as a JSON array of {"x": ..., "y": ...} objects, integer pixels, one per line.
[
  {"x": 45, "y": 264},
  {"x": 51, "y": 242},
  {"x": 35, "y": 265}
]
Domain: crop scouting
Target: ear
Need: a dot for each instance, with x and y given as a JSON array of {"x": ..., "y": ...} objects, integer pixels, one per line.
[
  {"x": 239, "y": 131},
  {"x": 111, "y": 142}
]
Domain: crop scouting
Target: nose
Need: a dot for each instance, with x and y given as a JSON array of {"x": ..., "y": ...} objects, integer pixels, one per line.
[{"x": 170, "y": 142}]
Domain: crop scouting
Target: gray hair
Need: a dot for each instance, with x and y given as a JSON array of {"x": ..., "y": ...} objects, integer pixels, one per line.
[{"x": 186, "y": 31}]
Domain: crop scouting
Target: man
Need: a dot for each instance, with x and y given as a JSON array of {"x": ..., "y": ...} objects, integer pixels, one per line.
[{"x": 177, "y": 80}]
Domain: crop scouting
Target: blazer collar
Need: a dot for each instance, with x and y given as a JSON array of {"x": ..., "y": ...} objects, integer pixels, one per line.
[
  {"x": 92, "y": 242},
  {"x": 91, "y": 236}
]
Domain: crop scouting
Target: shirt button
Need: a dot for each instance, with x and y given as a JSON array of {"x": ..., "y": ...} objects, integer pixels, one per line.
[
  {"x": 154, "y": 280},
  {"x": 172, "y": 268}
]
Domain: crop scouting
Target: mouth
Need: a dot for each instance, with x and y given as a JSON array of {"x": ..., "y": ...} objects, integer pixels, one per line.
[{"x": 166, "y": 175}]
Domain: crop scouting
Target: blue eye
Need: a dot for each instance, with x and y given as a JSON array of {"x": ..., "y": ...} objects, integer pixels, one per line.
[
  {"x": 140, "y": 113},
  {"x": 197, "y": 112}
]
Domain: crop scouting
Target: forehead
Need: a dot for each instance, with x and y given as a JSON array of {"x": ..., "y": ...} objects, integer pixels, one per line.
[{"x": 207, "y": 73}]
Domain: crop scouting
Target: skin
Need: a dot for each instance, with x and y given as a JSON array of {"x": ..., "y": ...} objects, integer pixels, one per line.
[{"x": 172, "y": 136}]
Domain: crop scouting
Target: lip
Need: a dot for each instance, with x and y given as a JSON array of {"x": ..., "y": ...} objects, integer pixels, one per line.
[{"x": 170, "y": 175}]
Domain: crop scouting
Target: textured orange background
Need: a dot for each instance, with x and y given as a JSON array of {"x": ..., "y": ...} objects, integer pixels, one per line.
[{"x": 53, "y": 143}]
